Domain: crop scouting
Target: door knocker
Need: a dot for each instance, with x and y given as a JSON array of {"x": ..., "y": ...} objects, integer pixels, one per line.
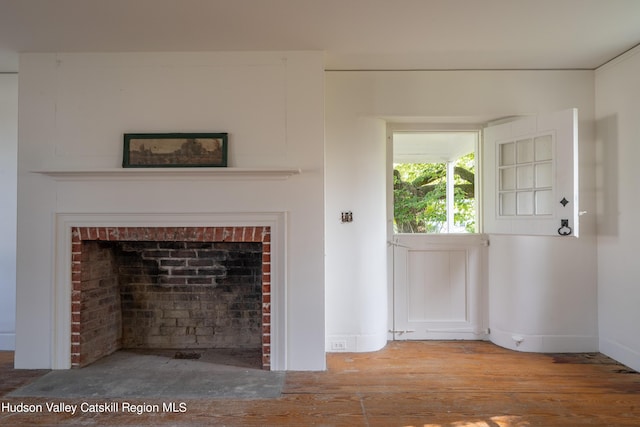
[{"x": 564, "y": 229}]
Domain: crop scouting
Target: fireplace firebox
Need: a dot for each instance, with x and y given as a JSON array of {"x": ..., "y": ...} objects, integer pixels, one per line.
[{"x": 169, "y": 287}]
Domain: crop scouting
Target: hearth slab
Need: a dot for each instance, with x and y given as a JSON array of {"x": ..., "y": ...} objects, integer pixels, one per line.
[{"x": 129, "y": 374}]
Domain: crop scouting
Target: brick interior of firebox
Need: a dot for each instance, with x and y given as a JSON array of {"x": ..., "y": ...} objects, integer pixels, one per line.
[{"x": 170, "y": 295}]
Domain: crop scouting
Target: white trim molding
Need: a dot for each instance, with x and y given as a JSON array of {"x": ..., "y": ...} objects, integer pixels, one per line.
[
  {"x": 61, "y": 313},
  {"x": 544, "y": 343},
  {"x": 146, "y": 174}
]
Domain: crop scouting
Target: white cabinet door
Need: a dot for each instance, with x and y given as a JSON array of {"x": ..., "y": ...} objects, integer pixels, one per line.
[
  {"x": 530, "y": 174},
  {"x": 438, "y": 291}
]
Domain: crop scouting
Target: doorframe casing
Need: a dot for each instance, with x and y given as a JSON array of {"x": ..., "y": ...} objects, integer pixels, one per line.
[{"x": 428, "y": 125}]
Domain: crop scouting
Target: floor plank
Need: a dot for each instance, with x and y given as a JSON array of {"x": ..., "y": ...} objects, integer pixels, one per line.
[{"x": 432, "y": 384}]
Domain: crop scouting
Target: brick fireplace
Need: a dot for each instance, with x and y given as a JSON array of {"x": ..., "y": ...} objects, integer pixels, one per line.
[{"x": 169, "y": 288}]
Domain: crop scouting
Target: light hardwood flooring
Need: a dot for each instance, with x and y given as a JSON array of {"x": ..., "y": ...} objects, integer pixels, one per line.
[{"x": 421, "y": 384}]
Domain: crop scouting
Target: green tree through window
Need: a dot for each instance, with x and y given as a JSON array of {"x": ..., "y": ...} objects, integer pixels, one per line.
[{"x": 420, "y": 204}]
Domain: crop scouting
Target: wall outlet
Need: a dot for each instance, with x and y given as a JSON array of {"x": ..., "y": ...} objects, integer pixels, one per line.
[{"x": 338, "y": 345}]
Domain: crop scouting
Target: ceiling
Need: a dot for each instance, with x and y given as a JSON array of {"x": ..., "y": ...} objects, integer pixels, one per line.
[
  {"x": 355, "y": 34},
  {"x": 432, "y": 147}
]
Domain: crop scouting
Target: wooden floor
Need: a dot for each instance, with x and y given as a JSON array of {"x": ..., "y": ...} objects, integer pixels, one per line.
[{"x": 461, "y": 384}]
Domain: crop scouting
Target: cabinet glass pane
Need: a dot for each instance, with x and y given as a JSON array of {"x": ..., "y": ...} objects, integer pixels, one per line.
[
  {"x": 525, "y": 177},
  {"x": 544, "y": 202},
  {"x": 507, "y": 204},
  {"x": 543, "y": 148},
  {"x": 524, "y": 151},
  {"x": 507, "y": 154},
  {"x": 508, "y": 179},
  {"x": 544, "y": 176},
  {"x": 524, "y": 203}
]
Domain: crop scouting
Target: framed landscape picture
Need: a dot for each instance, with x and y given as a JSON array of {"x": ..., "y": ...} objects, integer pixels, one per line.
[{"x": 163, "y": 150}]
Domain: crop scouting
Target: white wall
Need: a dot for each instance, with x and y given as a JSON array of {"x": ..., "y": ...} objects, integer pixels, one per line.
[
  {"x": 8, "y": 178},
  {"x": 553, "y": 305},
  {"x": 74, "y": 109},
  {"x": 618, "y": 150},
  {"x": 356, "y": 281}
]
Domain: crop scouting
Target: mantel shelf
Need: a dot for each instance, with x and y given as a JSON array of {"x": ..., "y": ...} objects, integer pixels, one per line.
[{"x": 169, "y": 173}]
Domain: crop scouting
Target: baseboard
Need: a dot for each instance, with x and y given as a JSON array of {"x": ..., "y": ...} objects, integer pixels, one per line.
[
  {"x": 7, "y": 341},
  {"x": 544, "y": 343},
  {"x": 355, "y": 343},
  {"x": 620, "y": 353}
]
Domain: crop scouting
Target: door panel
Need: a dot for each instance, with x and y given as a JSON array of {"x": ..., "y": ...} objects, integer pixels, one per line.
[
  {"x": 438, "y": 291},
  {"x": 530, "y": 174}
]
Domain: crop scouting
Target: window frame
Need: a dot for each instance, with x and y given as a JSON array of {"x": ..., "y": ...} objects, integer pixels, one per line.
[{"x": 435, "y": 127}]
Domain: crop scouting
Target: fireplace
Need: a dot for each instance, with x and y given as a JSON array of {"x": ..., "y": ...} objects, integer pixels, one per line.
[{"x": 169, "y": 287}]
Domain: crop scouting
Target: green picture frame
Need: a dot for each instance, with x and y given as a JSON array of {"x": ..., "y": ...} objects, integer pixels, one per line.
[{"x": 177, "y": 150}]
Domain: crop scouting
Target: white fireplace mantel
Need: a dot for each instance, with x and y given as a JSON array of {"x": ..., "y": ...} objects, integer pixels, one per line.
[
  {"x": 62, "y": 288},
  {"x": 171, "y": 173}
]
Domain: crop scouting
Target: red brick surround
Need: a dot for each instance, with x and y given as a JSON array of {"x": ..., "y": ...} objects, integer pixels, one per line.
[{"x": 260, "y": 234}]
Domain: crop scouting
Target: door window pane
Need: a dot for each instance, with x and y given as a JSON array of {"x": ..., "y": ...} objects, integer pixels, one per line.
[
  {"x": 543, "y": 148},
  {"x": 507, "y": 204},
  {"x": 524, "y": 165},
  {"x": 508, "y": 179},
  {"x": 544, "y": 202},
  {"x": 544, "y": 176},
  {"x": 525, "y": 176},
  {"x": 507, "y": 154},
  {"x": 525, "y": 203},
  {"x": 524, "y": 150}
]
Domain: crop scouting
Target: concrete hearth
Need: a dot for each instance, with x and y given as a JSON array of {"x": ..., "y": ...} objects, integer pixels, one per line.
[{"x": 147, "y": 374}]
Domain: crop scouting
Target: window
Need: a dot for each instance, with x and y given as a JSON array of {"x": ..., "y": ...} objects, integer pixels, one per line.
[{"x": 434, "y": 182}]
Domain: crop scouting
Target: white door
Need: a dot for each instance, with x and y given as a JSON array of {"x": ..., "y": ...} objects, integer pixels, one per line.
[
  {"x": 530, "y": 187},
  {"x": 439, "y": 291},
  {"x": 530, "y": 171},
  {"x": 438, "y": 258}
]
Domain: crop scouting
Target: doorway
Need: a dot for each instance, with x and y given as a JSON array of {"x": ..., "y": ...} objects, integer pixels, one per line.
[{"x": 437, "y": 255}]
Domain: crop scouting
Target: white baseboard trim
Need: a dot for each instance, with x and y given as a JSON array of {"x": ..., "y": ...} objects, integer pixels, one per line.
[
  {"x": 620, "y": 353},
  {"x": 355, "y": 343},
  {"x": 544, "y": 343},
  {"x": 7, "y": 341}
]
